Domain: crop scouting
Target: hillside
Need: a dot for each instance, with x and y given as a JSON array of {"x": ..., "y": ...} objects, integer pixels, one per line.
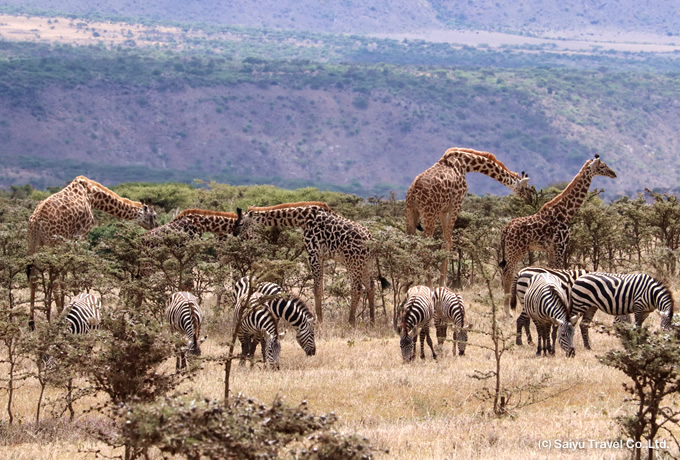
[
  {"x": 574, "y": 18},
  {"x": 152, "y": 103}
]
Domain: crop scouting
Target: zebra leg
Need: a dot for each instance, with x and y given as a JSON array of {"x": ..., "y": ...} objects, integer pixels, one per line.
[
  {"x": 245, "y": 345},
  {"x": 423, "y": 333},
  {"x": 440, "y": 328},
  {"x": 585, "y": 325},
  {"x": 429, "y": 343},
  {"x": 523, "y": 322},
  {"x": 554, "y": 339}
]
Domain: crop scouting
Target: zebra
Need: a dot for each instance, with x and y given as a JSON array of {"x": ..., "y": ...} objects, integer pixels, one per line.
[
  {"x": 260, "y": 325},
  {"x": 449, "y": 307},
  {"x": 620, "y": 294},
  {"x": 546, "y": 302},
  {"x": 415, "y": 320},
  {"x": 519, "y": 288},
  {"x": 81, "y": 315},
  {"x": 184, "y": 315},
  {"x": 291, "y": 309}
]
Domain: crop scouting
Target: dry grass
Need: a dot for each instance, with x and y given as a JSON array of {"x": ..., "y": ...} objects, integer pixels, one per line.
[{"x": 425, "y": 409}]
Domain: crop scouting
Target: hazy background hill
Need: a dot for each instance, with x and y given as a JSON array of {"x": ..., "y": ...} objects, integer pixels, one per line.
[
  {"x": 361, "y": 17},
  {"x": 269, "y": 92}
]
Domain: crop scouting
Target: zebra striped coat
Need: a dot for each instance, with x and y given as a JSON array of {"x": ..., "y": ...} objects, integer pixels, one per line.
[
  {"x": 417, "y": 315},
  {"x": 449, "y": 308},
  {"x": 291, "y": 309},
  {"x": 83, "y": 313},
  {"x": 260, "y": 325},
  {"x": 519, "y": 288},
  {"x": 546, "y": 302},
  {"x": 621, "y": 294},
  {"x": 184, "y": 315}
]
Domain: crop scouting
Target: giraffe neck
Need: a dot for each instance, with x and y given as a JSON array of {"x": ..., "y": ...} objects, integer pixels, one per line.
[
  {"x": 565, "y": 205},
  {"x": 219, "y": 223},
  {"x": 293, "y": 215},
  {"x": 106, "y": 200},
  {"x": 468, "y": 160}
]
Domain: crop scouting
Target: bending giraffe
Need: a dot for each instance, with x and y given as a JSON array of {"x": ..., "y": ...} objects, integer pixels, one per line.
[
  {"x": 438, "y": 192},
  {"x": 548, "y": 229},
  {"x": 326, "y": 234},
  {"x": 67, "y": 215},
  {"x": 188, "y": 224}
]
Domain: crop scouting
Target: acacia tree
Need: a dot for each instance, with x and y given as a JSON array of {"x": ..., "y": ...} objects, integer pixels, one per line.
[
  {"x": 652, "y": 363},
  {"x": 664, "y": 219}
]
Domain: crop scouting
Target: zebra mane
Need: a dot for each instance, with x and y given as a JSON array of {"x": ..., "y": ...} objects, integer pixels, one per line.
[
  {"x": 300, "y": 204},
  {"x": 489, "y": 156},
  {"x": 205, "y": 212},
  {"x": 107, "y": 191}
]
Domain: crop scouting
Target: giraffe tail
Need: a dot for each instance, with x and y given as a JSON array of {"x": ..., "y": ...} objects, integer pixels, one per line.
[
  {"x": 384, "y": 283},
  {"x": 29, "y": 268},
  {"x": 419, "y": 227}
]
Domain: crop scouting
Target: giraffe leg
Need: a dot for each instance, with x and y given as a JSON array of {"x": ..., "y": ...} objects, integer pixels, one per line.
[
  {"x": 355, "y": 297},
  {"x": 317, "y": 273},
  {"x": 428, "y": 231}
]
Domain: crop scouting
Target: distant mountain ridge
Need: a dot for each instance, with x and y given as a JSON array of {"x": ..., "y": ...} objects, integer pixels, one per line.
[{"x": 573, "y": 17}]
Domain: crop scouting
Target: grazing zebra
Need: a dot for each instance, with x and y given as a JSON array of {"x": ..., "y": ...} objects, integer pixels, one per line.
[
  {"x": 546, "y": 302},
  {"x": 184, "y": 315},
  {"x": 415, "y": 320},
  {"x": 260, "y": 325},
  {"x": 520, "y": 285},
  {"x": 449, "y": 307},
  {"x": 83, "y": 313},
  {"x": 289, "y": 308},
  {"x": 620, "y": 294}
]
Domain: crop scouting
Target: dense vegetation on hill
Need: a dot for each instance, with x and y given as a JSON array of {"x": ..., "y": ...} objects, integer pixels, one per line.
[{"x": 145, "y": 114}]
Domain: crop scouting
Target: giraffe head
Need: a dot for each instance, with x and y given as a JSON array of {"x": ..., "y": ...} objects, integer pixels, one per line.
[
  {"x": 599, "y": 168},
  {"x": 244, "y": 225},
  {"x": 147, "y": 217},
  {"x": 522, "y": 189}
]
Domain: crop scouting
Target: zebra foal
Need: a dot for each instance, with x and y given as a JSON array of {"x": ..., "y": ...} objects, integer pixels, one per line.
[
  {"x": 184, "y": 315},
  {"x": 546, "y": 303},
  {"x": 449, "y": 308},
  {"x": 415, "y": 320},
  {"x": 620, "y": 294}
]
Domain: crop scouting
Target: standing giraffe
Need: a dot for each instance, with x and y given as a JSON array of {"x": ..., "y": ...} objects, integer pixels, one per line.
[
  {"x": 67, "y": 215},
  {"x": 326, "y": 234},
  {"x": 438, "y": 192},
  {"x": 548, "y": 229}
]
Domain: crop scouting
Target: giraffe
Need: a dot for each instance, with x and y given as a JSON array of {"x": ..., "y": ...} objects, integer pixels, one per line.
[
  {"x": 193, "y": 222},
  {"x": 189, "y": 223},
  {"x": 67, "y": 215},
  {"x": 438, "y": 192},
  {"x": 326, "y": 234},
  {"x": 548, "y": 229}
]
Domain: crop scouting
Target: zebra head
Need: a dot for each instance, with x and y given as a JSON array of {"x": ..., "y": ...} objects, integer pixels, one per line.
[
  {"x": 407, "y": 348},
  {"x": 305, "y": 338},
  {"x": 566, "y": 338},
  {"x": 272, "y": 352},
  {"x": 146, "y": 217},
  {"x": 462, "y": 337},
  {"x": 194, "y": 347}
]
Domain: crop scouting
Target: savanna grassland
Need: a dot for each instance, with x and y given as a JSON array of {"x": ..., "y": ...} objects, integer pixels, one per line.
[{"x": 424, "y": 409}]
